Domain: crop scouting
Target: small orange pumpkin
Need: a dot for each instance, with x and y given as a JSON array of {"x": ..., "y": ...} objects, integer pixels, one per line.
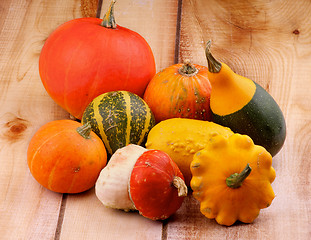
[
  {"x": 180, "y": 91},
  {"x": 66, "y": 157},
  {"x": 156, "y": 185}
]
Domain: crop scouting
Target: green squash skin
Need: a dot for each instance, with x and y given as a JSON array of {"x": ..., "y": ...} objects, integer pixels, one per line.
[
  {"x": 261, "y": 119},
  {"x": 113, "y": 111}
]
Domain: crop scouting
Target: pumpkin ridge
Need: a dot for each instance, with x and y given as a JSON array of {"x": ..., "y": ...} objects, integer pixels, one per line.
[
  {"x": 148, "y": 123},
  {"x": 94, "y": 86},
  {"x": 66, "y": 85},
  {"x": 98, "y": 150},
  {"x": 51, "y": 175},
  {"x": 115, "y": 133},
  {"x": 200, "y": 76},
  {"x": 129, "y": 67},
  {"x": 42, "y": 144},
  {"x": 178, "y": 82},
  {"x": 72, "y": 182},
  {"x": 139, "y": 121},
  {"x": 97, "y": 115}
]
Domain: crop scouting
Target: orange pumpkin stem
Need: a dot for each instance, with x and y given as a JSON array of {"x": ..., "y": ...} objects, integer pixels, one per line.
[
  {"x": 214, "y": 66},
  {"x": 236, "y": 179},
  {"x": 85, "y": 130},
  {"x": 188, "y": 69},
  {"x": 181, "y": 186},
  {"x": 109, "y": 20}
]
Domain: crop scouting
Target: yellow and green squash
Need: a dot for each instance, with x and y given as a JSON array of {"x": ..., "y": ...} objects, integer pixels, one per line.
[{"x": 244, "y": 106}]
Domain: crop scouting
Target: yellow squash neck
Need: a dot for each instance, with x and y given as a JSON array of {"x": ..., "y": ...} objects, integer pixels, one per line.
[{"x": 230, "y": 91}]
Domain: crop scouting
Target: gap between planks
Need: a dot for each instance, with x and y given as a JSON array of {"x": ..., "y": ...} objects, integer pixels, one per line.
[
  {"x": 61, "y": 216},
  {"x": 176, "y": 60},
  {"x": 178, "y": 26}
]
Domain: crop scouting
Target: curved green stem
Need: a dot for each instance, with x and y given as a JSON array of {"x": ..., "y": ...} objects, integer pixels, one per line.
[
  {"x": 108, "y": 20},
  {"x": 214, "y": 66},
  {"x": 85, "y": 130},
  {"x": 236, "y": 179}
]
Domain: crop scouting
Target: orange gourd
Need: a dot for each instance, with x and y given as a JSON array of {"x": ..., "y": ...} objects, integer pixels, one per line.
[
  {"x": 180, "y": 91},
  {"x": 86, "y": 57},
  {"x": 65, "y": 156}
]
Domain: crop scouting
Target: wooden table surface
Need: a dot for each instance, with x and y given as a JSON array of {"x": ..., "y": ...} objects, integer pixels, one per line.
[{"x": 267, "y": 41}]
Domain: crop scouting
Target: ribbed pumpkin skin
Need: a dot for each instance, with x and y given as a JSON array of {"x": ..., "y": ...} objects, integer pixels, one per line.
[
  {"x": 119, "y": 118},
  {"x": 170, "y": 94},
  {"x": 81, "y": 60},
  {"x": 63, "y": 161}
]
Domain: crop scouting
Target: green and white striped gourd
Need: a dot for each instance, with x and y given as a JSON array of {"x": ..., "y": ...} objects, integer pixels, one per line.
[{"x": 119, "y": 118}]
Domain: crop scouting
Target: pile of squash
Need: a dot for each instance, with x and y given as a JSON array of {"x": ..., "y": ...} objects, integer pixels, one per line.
[{"x": 144, "y": 139}]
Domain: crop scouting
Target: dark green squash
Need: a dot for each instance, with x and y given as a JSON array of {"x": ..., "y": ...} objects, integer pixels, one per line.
[
  {"x": 245, "y": 107},
  {"x": 119, "y": 118}
]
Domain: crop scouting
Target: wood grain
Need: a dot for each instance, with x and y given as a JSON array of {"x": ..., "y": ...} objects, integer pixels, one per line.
[
  {"x": 27, "y": 210},
  {"x": 155, "y": 20},
  {"x": 267, "y": 41},
  {"x": 89, "y": 8},
  {"x": 84, "y": 214},
  {"x": 86, "y": 218}
]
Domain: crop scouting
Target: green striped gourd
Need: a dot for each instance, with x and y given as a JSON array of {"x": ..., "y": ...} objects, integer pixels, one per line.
[{"x": 119, "y": 118}]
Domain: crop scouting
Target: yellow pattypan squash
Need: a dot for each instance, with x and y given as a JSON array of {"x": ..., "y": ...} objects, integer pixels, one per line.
[{"x": 232, "y": 179}]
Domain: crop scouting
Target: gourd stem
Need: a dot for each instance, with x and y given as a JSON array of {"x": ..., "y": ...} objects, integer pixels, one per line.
[
  {"x": 236, "y": 179},
  {"x": 85, "y": 130},
  {"x": 188, "y": 69},
  {"x": 108, "y": 20},
  {"x": 181, "y": 186},
  {"x": 214, "y": 66}
]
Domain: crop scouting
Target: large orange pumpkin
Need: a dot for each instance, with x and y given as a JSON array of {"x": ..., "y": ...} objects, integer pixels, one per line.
[
  {"x": 86, "y": 57},
  {"x": 66, "y": 156},
  {"x": 181, "y": 90}
]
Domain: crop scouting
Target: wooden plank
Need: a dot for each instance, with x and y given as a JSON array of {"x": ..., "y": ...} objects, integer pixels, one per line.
[
  {"x": 155, "y": 20},
  {"x": 84, "y": 216},
  {"x": 269, "y": 42},
  {"x": 27, "y": 210}
]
